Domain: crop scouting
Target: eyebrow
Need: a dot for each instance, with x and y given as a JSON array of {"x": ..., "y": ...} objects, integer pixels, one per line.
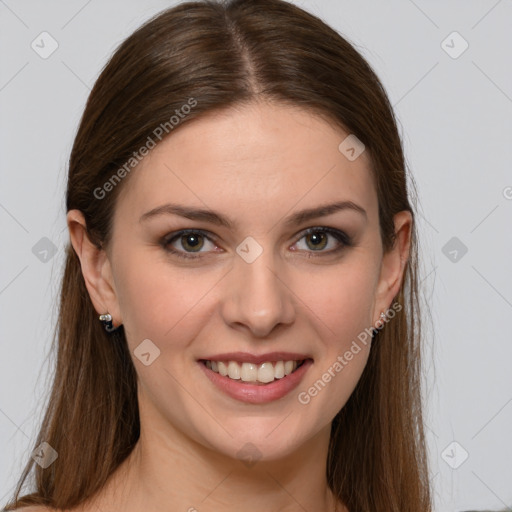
[{"x": 219, "y": 219}]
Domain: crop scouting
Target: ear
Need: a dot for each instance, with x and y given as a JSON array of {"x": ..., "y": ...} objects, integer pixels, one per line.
[
  {"x": 96, "y": 268},
  {"x": 393, "y": 265}
]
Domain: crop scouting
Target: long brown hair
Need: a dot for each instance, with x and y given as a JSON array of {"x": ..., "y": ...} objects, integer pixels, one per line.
[{"x": 222, "y": 54}]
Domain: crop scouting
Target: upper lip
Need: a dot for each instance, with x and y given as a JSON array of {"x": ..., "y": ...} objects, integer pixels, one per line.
[{"x": 246, "y": 357}]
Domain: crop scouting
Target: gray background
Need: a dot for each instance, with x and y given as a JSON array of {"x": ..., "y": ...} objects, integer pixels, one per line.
[{"x": 455, "y": 118}]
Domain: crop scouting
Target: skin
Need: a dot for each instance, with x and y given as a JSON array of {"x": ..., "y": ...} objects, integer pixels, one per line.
[{"x": 255, "y": 164}]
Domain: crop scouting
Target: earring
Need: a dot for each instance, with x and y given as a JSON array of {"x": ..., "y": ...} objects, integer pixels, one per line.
[
  {"x": 106, "y": 319},
  {"x": 376, "y": 330}
]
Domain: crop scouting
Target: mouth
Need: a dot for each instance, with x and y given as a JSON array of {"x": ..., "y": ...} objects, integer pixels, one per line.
[
  {"x": 261, "y": 374},
  {"x": 256, "y": 381}
]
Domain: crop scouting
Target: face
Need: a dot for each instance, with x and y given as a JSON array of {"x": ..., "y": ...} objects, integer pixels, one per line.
[{"x": 265, "y": 285}]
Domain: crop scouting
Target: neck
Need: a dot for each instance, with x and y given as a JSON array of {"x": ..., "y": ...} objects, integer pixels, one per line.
[{"x": 168, "y": 471}]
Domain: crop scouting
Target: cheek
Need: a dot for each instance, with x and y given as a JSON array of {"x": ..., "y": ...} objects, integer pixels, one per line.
[
  {"x": 341, "y": 306},
  {"x": 162, "y": 303},
  {"x": 341, "y": 299}
]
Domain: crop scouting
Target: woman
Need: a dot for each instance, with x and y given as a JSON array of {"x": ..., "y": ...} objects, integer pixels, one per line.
[{"x": 239, "y": 319}]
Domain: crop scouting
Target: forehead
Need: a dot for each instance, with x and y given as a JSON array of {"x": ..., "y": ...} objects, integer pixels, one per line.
[{"x": 260, "y": 158}]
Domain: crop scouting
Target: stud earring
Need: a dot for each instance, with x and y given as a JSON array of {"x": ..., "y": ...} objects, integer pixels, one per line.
[
  {"x": 377, "y": 329},
  {"x": 106, "y": 319}
]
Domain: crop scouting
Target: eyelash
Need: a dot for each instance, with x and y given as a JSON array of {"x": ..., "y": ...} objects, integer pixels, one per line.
[{"x": 340, "y": 236}]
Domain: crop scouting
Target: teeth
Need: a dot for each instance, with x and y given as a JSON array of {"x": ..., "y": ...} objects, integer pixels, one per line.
[
  {"x": 279, "y": 370},
  {"x": 233, "y": 370},
  {"x": 249, "y": 372},
  {"x": 223, "y": 369},
  {"x": 288, "y": 367},
  {"x": 266, "y": 372}
]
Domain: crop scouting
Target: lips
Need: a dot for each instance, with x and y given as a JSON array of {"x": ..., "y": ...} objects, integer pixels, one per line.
[
  {"x": 254, "y": 368},
  {"x": 256, "y": 378}
]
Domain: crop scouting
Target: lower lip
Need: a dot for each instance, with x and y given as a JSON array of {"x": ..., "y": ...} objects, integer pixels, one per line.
[{"x": 257, "y": 393}]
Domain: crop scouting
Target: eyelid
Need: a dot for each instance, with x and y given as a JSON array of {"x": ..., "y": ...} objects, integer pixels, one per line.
[
  {"x": 341, "y": 236},
  {"x": 171, "y": 237}
]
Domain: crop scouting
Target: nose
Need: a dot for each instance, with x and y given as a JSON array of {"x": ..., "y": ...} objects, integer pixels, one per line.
[{"x": 258, "y": 298}]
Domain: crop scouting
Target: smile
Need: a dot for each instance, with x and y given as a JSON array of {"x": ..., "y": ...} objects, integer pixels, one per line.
[
  {"x": 256, "y": 373},
  {"x": 256, "y": 383}
]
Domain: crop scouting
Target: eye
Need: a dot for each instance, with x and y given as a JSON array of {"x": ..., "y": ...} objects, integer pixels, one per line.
[
  {"x": 192, "y": 241},
  {"x": 317, "y": 239}
]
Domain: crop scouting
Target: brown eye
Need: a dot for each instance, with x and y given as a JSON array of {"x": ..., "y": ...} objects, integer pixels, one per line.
[
  {"x": 187, "y": 242},
  {"x": 318, "y": 240},
  {"x": 192, "y": 241}
]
